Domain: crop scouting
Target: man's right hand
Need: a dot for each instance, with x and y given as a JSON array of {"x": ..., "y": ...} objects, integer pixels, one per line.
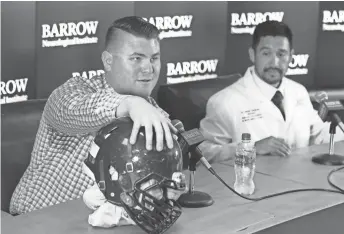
[
  {"x": 144, "y": 114},
  {"x": 273, "y": 146}
]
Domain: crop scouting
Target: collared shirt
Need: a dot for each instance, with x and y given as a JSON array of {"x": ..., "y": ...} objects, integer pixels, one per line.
[
  {"x": 265, "y": 88},
  {"x": 74, "y": 112}
]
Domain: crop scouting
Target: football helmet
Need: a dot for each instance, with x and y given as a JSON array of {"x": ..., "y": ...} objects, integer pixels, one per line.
[{"x": 145, "y": 183}]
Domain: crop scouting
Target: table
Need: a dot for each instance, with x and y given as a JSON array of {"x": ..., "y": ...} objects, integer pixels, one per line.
[
  {"x": 229, "y": 213},
  {"x": 5, "y": 216},
  {"x": 298, "y": 168}
]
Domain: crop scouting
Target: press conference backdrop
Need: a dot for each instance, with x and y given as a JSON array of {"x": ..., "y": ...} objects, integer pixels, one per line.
[
  {"x": 330, "y": 44},
  {"x": 193, "y": 38},
  {"x": 45, "y": 43},
  {"x": 302, "y": 17},
  {"x": 18, "y": 51}
]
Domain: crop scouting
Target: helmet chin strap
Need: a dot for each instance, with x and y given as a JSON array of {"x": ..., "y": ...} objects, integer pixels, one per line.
[
  {"x": 101, "y": 182},
  {"x": 88, "y": 172}
]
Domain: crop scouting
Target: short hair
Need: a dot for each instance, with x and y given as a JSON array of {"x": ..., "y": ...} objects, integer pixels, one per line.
[
  {"x": 272, "y": 28},
  {"x": 134, "y": 25}
]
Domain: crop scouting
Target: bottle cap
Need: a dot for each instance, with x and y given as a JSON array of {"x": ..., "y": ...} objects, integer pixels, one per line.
[{"x": 246, "y": 137}]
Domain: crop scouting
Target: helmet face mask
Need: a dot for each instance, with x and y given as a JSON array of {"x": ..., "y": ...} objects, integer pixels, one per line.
[
  {"x": 145, "y": 183},
  {"x": 154, "y": 211}
]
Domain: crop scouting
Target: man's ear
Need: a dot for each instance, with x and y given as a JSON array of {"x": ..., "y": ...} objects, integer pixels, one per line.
[
  {"x": 251, "y": 54},
  {"x": 291, "y": 55},
  {"x": 107, "y": 60}
]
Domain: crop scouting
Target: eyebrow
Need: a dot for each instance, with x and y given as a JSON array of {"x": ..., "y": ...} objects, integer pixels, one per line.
[
  {"x": 265, "y": 48},
  {"x": 268, "y": 48},
  {"x": 283, "y": 50},
  {"x": 143, "y": 55}
]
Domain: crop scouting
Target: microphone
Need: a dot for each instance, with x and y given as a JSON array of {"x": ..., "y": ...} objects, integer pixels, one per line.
[
  {"x": 320, "y": 96},
  {"x": 328, "y": 111},
  {"x": 189, "y": 141},
  {"x": 338, "y": 120}
]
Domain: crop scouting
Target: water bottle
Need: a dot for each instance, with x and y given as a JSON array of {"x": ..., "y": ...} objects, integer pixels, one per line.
[{"x": 245, "y": 165}]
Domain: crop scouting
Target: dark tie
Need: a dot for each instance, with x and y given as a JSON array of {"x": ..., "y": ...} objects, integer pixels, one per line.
[{"x": 277, "y": 100}]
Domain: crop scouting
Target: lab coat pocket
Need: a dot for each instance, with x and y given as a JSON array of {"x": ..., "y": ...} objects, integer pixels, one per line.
[{"x": 253, "y": 121}]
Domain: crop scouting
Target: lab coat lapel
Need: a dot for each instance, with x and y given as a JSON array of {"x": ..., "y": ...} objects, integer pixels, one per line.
[{"x": 266, "y": 105}]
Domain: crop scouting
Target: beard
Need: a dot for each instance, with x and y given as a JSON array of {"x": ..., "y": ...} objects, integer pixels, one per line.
[
  {"x": 272, "y": 76},
  {"x": 273, "y": 69}
]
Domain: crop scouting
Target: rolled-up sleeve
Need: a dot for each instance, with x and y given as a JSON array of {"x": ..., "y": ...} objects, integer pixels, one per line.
[{"x": 77, "y": 108}]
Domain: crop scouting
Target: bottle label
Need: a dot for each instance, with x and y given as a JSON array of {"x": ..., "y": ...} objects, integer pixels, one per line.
[{"x": 241, "y": 160}]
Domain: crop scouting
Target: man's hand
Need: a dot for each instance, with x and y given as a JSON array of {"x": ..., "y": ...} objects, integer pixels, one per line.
[
  {"x": 273, "y": 146},
  {"x": 146, "y": 115}
]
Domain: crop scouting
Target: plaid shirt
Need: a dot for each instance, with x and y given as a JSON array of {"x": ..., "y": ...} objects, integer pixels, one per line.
[{"x": 74, "y": 112}]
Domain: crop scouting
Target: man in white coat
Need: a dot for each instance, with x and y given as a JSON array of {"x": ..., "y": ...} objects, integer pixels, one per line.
[{"x": 275, "y": 110}]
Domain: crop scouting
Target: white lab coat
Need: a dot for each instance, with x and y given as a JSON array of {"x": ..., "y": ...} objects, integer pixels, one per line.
[{"x": 243, "y": 108}]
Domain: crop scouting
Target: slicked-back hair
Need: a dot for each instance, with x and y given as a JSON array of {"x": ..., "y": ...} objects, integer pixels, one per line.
[
  {"x": 271, "y": 28},
  {"x": 134, "y": 25}
]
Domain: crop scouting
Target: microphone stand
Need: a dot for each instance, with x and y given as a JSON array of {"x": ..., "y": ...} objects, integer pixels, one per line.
[
  {"x": 331, "y": 158},
  {"x": 194, "y": 199}
]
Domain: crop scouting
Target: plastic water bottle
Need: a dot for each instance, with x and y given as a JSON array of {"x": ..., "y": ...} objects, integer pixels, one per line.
[{"x": 245, "y": 165}]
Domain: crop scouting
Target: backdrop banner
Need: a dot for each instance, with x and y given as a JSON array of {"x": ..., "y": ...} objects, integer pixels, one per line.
[
  {"x": 17, "y": 51},
  {"x": 45, "y": 43},
  {"x": 330, "y": 53},
  {"x": 193, "y": 38},
  {"x": 70, "y": 39},
  {"x": 301, "y": 18}
]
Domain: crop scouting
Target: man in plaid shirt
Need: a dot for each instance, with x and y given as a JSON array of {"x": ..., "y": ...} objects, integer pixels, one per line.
[{"x": 76, "y": 110}]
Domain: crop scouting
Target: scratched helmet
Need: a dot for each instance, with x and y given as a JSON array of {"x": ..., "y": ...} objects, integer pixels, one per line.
[{"x": 145, "y": 183}]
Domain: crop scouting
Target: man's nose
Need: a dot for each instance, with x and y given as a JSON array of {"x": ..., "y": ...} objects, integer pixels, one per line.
[
  {"x": 147, "y": 66},
  {"x": 275, "y": 61}
]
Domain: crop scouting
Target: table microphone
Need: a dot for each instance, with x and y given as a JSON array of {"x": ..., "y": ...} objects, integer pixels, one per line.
[
  {"x": 189, "y": 141},
  {"x": 328, "y": 112}
]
